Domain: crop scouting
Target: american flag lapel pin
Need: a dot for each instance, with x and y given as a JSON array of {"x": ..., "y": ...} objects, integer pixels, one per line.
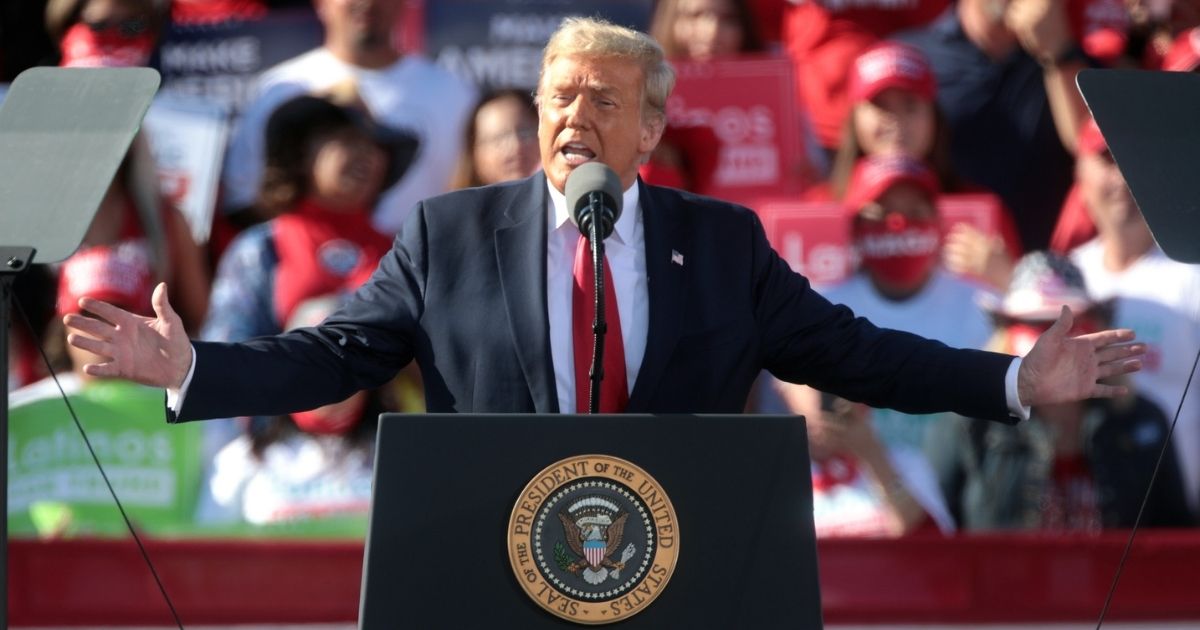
[{"x": 676, "y": 258}]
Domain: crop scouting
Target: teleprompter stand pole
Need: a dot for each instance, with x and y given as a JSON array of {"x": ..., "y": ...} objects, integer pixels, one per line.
[{"x": 13, "y": 262}]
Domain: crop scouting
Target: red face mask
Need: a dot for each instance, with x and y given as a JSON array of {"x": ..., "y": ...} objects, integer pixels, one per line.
[
  {"x": 898, "y": 250},
  {"x": 106, "y": 47},
  {"x": 336, "y": 419}
]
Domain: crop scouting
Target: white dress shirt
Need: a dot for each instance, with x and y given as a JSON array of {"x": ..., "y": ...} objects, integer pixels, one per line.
[{"x": 625, "y": 251}]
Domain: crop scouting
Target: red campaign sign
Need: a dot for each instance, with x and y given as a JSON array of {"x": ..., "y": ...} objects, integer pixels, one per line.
[
  {"x": 981, "y": 211},
  {"x": 747, "y": 110},
  {"x": 814, "y": 237}
]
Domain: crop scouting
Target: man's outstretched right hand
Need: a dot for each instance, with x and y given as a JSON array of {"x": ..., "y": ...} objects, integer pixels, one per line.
[{"x": 152, "y": 351}]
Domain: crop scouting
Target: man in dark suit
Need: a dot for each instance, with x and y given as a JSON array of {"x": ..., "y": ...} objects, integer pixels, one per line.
[{"x": 479, "y": 289}]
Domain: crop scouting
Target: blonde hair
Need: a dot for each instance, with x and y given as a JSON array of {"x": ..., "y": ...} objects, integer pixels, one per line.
[{"x": 594, "y": 37}]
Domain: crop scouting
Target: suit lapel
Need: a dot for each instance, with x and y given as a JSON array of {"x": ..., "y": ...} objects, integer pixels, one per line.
[
  {"x": 521, "y": 258},
  {"x": 666, "y": 249}
]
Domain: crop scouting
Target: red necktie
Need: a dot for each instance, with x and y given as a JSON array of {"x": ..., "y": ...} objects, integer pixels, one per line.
[{"x": 614, "y": 390}]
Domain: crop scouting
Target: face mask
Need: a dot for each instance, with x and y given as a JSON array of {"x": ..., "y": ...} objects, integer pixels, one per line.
[
  {"x": 336, "y": 419},
  {"x": 899, "y": 251},
  {"x": 109, "y": 47}
]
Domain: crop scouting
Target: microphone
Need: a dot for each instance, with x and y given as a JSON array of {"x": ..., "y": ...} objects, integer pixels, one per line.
[{"x": 594, "y": 195}]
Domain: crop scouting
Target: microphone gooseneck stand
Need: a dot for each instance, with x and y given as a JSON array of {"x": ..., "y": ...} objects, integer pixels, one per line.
[{"x": 599, "y": 325}]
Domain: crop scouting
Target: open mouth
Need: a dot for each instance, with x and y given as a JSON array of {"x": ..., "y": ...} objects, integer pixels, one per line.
[{"x": 576, "y": 153}]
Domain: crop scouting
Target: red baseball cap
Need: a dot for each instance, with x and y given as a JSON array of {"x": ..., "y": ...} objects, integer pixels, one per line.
[
  {"x": 891, "y": 65},
  {"x": 1101, "y": 26},
  {"x": 1090, "y": 141},
  {"x": 873, "y": 176},
  {"x": 1184, "y": 53},
  {"x": 119, "y": 274}
]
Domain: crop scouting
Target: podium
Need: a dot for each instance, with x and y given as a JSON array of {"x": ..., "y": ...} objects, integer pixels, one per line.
[{"x": 538, "y": 521}]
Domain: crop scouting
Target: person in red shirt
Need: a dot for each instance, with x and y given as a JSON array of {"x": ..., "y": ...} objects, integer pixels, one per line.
[
  {"x": 1074, "y": 226},
  {"x": 324, "y": 172},
  {"x": 123, "y": 33},
  {"x": 823, "y": 39},
  {"x": 216, "y": 11},
  {"x": 1184, "y": 53},
  {"x": 117, "y": 33},
  {"x": 98, "y": 33},
  {"x": 894, "y": 111}
]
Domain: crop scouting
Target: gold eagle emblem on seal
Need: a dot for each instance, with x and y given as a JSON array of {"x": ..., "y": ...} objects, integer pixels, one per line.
[{"x": 593, "y": 539}]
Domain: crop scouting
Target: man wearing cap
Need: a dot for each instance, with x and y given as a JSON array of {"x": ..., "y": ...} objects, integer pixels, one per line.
[
  {"x": 482, "y": 289},
  {"x": 1156, "y": 297},
  {"x": 1074, "y": 466}
]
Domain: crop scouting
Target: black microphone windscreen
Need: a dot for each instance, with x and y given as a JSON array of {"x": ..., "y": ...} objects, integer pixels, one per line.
[{"x": 589, "y": 177}]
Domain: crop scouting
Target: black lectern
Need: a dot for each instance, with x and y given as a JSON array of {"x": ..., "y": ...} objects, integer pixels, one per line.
[{"x": 524, "y": 521}]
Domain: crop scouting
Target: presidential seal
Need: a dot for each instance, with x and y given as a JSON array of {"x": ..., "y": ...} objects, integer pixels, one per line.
[{"x": 593, "y": 539}]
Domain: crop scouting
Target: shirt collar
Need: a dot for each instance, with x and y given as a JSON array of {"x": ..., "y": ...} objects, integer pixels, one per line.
[{"x": 626, "y": 223}]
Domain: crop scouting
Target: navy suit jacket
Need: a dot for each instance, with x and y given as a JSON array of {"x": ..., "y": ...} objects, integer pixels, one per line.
[{"x": 463, "y": 292}]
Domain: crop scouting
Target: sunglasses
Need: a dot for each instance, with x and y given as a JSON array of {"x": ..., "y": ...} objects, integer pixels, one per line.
[{"x": 128, "y": 27}]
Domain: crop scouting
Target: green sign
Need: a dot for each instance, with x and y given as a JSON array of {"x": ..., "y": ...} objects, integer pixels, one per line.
[{"x": 54, "y": 487}]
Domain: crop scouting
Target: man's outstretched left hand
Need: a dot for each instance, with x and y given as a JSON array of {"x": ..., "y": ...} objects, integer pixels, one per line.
[{"x": 1061, "y": 368}]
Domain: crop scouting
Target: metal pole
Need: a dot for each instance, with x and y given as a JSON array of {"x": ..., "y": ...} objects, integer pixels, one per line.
[
  {"x": 6, "y": 286},
  {"x": 15, "y": 261}
]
